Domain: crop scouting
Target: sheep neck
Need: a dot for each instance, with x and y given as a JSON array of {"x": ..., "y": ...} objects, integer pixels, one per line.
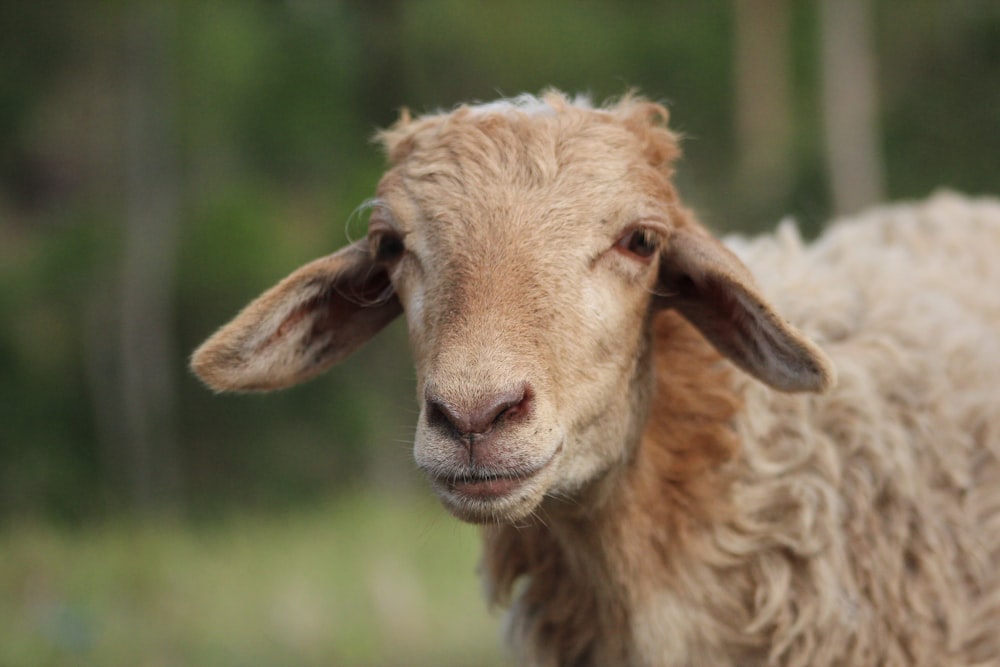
[{"x": 585, "y": 565}]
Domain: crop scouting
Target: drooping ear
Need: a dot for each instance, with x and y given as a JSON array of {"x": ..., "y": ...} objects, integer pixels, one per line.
[
  {"x": 714, "y": 290},
  {"x": 309, "y": 321}
]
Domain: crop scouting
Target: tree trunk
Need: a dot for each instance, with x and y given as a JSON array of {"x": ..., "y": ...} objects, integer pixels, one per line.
[
  {"x": 764, "y": 115},
  {"x": 146, "y": 327},
  {"x": 850, "y": 104}
]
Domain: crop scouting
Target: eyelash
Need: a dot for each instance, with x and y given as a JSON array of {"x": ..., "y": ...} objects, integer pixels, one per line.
[{"x": 640, "y": 242}]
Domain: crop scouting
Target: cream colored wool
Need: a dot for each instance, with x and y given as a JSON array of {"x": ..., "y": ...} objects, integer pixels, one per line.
[{"x": 869, "y": 518}]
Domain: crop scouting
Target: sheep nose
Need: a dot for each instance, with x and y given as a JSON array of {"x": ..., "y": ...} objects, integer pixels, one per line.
[{"x": 483, "y": 415}]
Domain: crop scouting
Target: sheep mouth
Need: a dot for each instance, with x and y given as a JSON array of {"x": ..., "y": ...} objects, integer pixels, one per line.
[{"x": 487, "y": 486}]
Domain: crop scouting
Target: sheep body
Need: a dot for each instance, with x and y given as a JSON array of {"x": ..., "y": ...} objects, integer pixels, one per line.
[
  {"x": 646, "y": 502},
  {"x": 883, "y": 495}
]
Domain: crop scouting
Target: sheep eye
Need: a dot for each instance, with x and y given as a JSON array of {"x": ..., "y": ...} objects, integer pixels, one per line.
[
  {"x": 639, "y": 242},
  {"x": 387, "y": 246}
]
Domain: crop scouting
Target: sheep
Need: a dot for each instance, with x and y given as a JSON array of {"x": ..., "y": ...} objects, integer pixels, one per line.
[{"x": 668, "y": 471}]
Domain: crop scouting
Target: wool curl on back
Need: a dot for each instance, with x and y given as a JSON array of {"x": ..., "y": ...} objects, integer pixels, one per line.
[{"x": 871, "y": 515}]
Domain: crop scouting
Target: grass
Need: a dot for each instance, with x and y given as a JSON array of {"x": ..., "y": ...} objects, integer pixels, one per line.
[{"x": 359, "y": 582}]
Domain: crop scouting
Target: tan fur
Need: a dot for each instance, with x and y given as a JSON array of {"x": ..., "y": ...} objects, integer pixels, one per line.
[
  {"x": 650, "y": 496},
  {"x": 591, "y": 562}
]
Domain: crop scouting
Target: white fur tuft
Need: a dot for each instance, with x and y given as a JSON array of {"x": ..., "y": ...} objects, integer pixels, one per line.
[{"x": 532, "y": 105}]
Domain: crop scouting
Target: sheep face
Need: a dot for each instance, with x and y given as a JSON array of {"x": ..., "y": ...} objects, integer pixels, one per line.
[
  {"x": 529, "y": 246},
  {"x": 527, "y": 286}
]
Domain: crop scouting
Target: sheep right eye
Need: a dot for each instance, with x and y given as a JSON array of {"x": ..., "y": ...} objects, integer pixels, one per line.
[
  {"x": 640, "y": 242},
  {"x": 387, "y": 247}
]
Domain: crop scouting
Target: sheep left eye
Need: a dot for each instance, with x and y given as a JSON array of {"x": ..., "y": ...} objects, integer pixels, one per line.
[{"x": 639, "y": 242}]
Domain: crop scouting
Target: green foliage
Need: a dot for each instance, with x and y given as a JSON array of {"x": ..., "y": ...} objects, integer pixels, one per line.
[
  {"x": 269, "y": 108},
  {"x": 47, "y": 453},
  {"x": 359, "y": 582},
  {"x": 942, "y": 102},
  {"x": 265, "y": 110}
]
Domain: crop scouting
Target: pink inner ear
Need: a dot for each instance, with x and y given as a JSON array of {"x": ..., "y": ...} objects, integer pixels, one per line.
[
  {"x": 331, "y": 309},
  {"x": 735, "y": 317},
  {"x": 717, "y": 311},
  {"x": 366, "y": 289},
  {"x": 288, "y": 324},
  {"x": 312, "y": 319},
  {"x": 739, "y": 323}
]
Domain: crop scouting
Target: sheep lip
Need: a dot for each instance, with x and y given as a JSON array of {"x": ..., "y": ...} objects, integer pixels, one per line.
[
  {"x": 486, "y": 488},
  {"x": 493, "y": 486}
]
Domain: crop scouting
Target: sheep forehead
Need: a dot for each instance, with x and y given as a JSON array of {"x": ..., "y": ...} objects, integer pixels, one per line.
[
  {"x": 639, "y": 114},
  {"x": 499, "y": 166}
]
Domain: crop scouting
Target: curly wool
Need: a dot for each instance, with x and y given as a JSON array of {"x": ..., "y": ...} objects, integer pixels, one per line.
[{"x": 871, "y": 515}]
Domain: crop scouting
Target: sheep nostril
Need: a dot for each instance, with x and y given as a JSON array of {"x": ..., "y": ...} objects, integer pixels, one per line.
[{"x": 483, "y": 415}]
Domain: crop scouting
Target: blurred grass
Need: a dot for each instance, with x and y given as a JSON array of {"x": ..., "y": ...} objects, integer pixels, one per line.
[{"x": 360, "y": 581}]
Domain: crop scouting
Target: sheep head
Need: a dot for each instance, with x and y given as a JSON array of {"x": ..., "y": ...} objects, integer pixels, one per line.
[{"x": 529, "y": 243}]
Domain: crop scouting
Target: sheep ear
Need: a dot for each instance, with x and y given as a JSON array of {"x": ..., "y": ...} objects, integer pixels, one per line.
[
  {"x": 312, "y": 319},
  {"x": 713, "y": 290}
]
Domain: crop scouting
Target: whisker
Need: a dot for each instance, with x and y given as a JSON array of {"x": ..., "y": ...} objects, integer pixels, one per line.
[{"x": 366, "y": 205}]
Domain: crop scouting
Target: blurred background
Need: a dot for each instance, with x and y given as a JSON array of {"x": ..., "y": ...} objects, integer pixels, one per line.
[{"x": 163, "y": 162}]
